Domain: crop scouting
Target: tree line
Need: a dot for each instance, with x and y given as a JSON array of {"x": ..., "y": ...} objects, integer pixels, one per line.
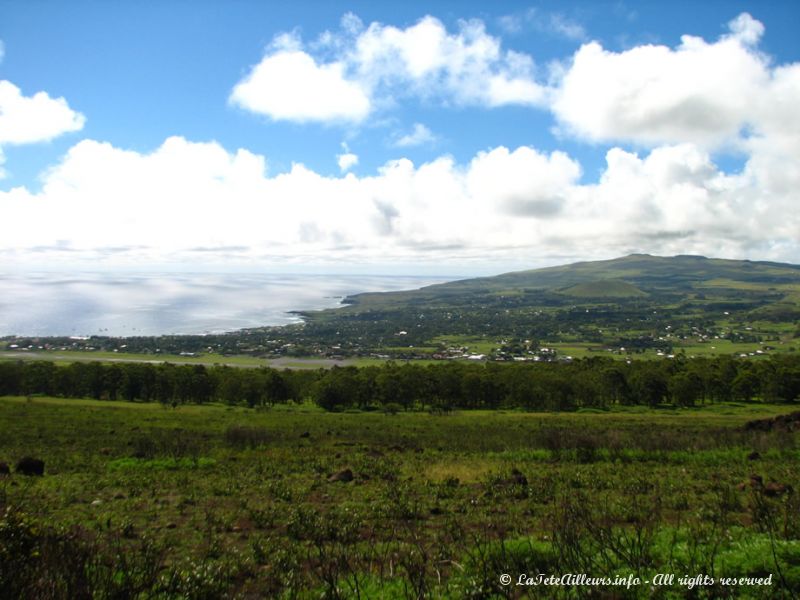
[{"x": 587, "y": 383}]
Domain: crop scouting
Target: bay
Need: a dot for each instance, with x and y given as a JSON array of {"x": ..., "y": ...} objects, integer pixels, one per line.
[{"x": 133, "y": 304}]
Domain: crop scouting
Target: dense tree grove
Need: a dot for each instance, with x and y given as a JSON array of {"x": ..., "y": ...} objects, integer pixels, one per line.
[{"x": 588, "y": 383}]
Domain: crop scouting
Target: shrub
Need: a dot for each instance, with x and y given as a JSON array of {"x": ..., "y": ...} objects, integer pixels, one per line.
[{"x": 242, "y": 436}]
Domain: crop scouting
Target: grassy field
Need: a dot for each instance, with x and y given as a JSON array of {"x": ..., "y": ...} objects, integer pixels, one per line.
[
  {"x": 64, "y": 357},
  {"x": 216, "y": 501}
]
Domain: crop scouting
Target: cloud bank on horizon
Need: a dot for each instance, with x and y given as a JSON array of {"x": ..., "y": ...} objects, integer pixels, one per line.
[{"x": 660, "y": 112}]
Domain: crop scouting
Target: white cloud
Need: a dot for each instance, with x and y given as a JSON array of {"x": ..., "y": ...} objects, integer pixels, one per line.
[
  {"x": 185, "y": 195},
  {"x": 288, "y": 84},
  {"x": 702, "y": 93},
  {"x": 37, "y": 118},
  {"x": 352, "y": 24},
  {"x": 347, "y": 160},
  {"x": 504, "y": 205},
  {"x": 523, "y": 183},
  {"x": 551, "y": 23},
  {"x": 418, "y": 136},
  {"x": 468, "y": 67},
  {"x": 746, "y": 29},
  {"x": 378, "y": 65},
  {"x": 566, "y": 27}
]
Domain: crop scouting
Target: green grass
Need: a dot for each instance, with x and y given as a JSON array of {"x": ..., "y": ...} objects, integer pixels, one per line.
[
  {"x": 237, "y": 501},
  {"x": 161, "y": 464},
  {"x": 474, "y": 345},
  {"x": 604, "y": 289},
  {"x": 584, "y": 350},
  {"x": 62, "y": 357},
  {"x": 73, "y": 355},
  {"x": 717, "y": 347}
]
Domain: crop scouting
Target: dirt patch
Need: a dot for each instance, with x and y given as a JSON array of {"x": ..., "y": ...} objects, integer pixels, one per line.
[{"x": 790, "y": 422}]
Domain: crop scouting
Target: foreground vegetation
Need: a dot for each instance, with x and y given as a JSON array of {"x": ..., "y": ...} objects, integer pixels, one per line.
[{"x": 144, "y": 501}]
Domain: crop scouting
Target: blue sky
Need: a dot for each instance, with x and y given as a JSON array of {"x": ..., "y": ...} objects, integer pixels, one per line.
[{"x": 411, "y": 137}]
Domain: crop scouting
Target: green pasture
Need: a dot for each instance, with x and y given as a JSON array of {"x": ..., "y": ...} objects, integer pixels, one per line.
[{"x": 224, "y": 501}]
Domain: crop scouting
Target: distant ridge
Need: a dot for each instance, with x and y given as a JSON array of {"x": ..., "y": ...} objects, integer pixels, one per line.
[{"x": 632, "y": 276}]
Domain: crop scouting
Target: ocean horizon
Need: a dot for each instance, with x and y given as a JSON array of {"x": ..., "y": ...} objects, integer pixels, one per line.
[{"x": 139, "y": 304}]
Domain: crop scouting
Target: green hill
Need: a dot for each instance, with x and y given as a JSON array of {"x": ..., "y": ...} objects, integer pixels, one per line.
[
  {"x": 641, "y": 302},
  {"x": 607, "y": 288},
  {"x": 633, "y": 275}
]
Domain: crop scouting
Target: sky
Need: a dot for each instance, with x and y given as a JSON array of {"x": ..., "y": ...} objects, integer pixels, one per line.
[{"x": 422, "y": 138}]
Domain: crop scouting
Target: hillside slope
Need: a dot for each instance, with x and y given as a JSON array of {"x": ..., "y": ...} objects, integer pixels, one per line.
[
  {"x": 641, "y": 272},
  {"x": 641, "y": 302}
]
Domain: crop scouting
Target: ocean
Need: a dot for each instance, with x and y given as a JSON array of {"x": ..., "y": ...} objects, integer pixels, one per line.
[{"x": 82, "y": 304}]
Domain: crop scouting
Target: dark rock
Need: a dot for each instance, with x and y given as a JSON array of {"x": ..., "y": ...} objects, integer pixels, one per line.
[
  {"x": 753, "y": 456},
  {"x": 774, "y": 489},
  {"x": 345, "y": 476},
  {"x": 517, "y": 478},
  {"x": 790, "y": 423},
  {"x": 30, "y": 466},
  {"x": 305, "y": 434}
]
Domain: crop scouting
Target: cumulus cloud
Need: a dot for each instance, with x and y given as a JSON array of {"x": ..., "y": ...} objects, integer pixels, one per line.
[
  {"x": 376, "y": 65},
  {"x": 714, "y": 94},
  {"x": 662, "y": 193},
  {"x": 746, "y": 29},
  {"x": 32, "y": 119},
  {"x": 189, "y": 201},
  {"x": 418, "y": 136},
  {"x": 699, "y": 92},
  {"x": 185, "y": 195},
  {"x": 523, "y": 183},
  {"x": 347, "y": 160},
  {"x": 685, "y": 102},
  {"x": 289, "y": 84},
  {"x": 37, "y": 118},
  {"x": 468, "y": 67}
]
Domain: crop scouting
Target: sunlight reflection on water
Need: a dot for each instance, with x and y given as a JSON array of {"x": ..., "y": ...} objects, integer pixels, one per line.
[{"x": 175, "y": 303}]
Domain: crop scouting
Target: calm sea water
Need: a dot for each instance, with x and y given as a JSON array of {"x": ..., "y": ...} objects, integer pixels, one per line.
[{"x": 185, "y": 303}]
